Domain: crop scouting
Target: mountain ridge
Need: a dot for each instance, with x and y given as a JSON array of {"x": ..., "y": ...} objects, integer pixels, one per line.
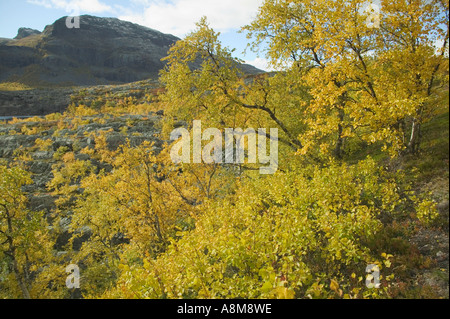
[{"x": 102, "y": 51}]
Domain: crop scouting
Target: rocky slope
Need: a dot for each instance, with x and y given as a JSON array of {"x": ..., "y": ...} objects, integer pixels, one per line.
[
  {"x": 15, "y": 139},
  {"x": 43, "y": 101},
  {"x": 101, "y": 51},
  {"x": 34, "y": 102}
]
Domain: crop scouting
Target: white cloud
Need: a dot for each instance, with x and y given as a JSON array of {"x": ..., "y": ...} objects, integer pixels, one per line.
[
  {"x": 260, "y": 63},
  {"x": 74, "y": 7},
  {"x": 178, "y": 17}
]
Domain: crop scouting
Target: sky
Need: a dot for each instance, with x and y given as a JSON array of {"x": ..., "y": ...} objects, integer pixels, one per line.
[{"x": 177, "y": 17}]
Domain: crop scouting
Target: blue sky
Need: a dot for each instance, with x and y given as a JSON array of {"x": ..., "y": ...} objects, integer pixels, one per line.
[{"x": 176, "y": 17}]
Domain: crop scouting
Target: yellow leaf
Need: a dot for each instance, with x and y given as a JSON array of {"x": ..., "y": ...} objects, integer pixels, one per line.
[
  {"x": 266, "y": 287},
  {"x": 283, "y": 293},
  {"x": 334, "y": 285}
]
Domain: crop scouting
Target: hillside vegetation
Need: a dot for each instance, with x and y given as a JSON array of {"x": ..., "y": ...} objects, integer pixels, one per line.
[{"x": 362, "y": 180}]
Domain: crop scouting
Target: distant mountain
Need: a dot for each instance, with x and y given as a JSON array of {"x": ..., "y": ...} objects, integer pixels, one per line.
[
  {"x": 25, "y": 32},
  {"x": 101, "y": 51}
]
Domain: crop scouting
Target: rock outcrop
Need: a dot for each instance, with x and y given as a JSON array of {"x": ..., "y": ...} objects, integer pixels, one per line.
[{"x": 25, "y": 32}]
